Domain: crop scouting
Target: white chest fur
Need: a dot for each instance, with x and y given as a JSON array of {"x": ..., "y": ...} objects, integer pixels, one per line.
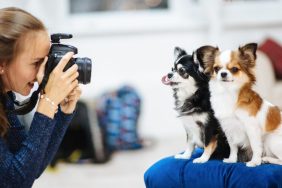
[
  {"x": 223, "y": 101},
  {"x": 185, "y": 92}
]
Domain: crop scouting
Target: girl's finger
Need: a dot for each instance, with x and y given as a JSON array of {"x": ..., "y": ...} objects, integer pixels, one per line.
[
  {"x": 72, "y": 85},
  {"x": 73, "y": 76},
  {"x": 71, "y": 71},
  {"x": 64, "y": 61}
]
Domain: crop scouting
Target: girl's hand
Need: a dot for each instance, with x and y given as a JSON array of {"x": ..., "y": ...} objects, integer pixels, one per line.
[
  {"x": 69, "y": 103},
  {"x": 59, "y": 84}
]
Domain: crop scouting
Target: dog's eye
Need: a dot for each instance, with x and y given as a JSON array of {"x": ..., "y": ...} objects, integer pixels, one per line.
[
  {"x": 234, "y": 69},
  {"x": 216, "y": 68},
  {"x": 181, "y": 71},
  {"x": 172, "y": 69}
]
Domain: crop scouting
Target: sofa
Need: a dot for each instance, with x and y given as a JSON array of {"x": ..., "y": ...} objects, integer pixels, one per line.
[
  {"x": 267, "y": 85},
  {"x": 182, "y": 173}
]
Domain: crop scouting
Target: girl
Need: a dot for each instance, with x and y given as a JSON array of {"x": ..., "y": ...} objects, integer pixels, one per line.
[{"x": 24, "y": 45}]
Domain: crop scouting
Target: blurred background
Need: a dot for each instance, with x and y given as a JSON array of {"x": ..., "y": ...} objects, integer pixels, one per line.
[{"x": 131, "y": 45}]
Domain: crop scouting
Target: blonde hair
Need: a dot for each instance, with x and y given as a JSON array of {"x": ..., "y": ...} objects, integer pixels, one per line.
[{"x": 15, "y": 24}]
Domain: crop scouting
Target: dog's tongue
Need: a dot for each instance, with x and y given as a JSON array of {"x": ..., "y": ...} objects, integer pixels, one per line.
[{"x": 165, "y": 80}]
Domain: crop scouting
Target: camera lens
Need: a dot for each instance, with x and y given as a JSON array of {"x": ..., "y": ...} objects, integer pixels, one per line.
[{"x": 84, "y": 69}]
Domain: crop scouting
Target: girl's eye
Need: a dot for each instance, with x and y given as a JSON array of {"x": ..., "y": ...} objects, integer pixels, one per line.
[
  {"x": 216, "y": 68},
  {"x": 37, "y": 63},
  {"x": 234, "y": 69}
]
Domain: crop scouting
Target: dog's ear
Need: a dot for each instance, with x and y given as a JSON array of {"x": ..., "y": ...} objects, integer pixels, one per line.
[
  {"x": 206, "y": 57},
  {"x": 197, "y": 62},
  {"x": 178, "y": 52},
  {"x": 248, "y": 54}
]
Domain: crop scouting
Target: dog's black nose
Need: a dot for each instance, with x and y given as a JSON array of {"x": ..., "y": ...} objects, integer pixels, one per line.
[
  {"x": 223, "y": 74},
  {"x": 169, "y": 75}
]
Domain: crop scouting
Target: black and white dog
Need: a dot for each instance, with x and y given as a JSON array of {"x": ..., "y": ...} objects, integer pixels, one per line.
[{"x": 192, "y": 102}]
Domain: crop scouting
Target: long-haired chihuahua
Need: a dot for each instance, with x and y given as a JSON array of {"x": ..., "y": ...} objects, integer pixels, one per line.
[
  {"x": 233, "y": 72},
  {"x": 192, "y": 102}
]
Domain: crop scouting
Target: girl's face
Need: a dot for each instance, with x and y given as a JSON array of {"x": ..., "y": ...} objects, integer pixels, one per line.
[{"x": 20, "y": 74}]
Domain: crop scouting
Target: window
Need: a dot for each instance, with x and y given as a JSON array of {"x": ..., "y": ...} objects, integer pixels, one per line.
[
  {"x": 83, "y": 6},
  {"x": 102, "y": 17}
]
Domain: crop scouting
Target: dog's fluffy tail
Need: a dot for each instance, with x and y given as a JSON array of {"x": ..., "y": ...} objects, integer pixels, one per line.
[{"x": 272, "y": 160}]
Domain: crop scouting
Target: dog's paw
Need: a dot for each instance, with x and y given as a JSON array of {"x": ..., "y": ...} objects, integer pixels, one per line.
[
  {"x": 253, "y": 163},
  {"x": 200, "y": 160},
  {"x": 229, "y": 160},
  {"x": 182, "y": 156}
]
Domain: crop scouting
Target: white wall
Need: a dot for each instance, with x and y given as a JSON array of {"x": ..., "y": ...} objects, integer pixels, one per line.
[
  {"x": 139, "y": 60},
  {"x": 142, "y": 58}
]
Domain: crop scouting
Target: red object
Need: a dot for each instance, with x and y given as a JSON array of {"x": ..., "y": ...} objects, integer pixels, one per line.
[{"x": 274, "y": 51}]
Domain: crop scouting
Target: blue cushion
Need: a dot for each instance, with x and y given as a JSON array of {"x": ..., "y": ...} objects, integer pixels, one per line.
[{"x": 181, "y": 173}]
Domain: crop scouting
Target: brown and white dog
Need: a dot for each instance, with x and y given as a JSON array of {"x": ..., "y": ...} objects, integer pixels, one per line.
[{"x": 233, "y": 72}]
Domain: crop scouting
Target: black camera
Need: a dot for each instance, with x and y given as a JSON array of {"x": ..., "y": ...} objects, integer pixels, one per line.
[{"x": 58, "y": 50}]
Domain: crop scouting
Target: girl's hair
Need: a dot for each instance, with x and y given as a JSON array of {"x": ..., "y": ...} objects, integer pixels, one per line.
[{"x": 15, "y": 24}]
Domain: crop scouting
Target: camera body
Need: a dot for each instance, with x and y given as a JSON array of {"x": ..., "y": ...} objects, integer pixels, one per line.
[{"x": 58, "y": 50}]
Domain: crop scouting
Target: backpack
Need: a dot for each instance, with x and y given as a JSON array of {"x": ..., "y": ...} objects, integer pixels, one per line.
[{"x": 118, "y": 113}]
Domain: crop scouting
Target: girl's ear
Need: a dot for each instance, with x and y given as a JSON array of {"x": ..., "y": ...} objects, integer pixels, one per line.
[
  {"x": 206, "y": 58},
  {"x": 2, "y": 67},
  {"x": 178, "y": 52}
]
